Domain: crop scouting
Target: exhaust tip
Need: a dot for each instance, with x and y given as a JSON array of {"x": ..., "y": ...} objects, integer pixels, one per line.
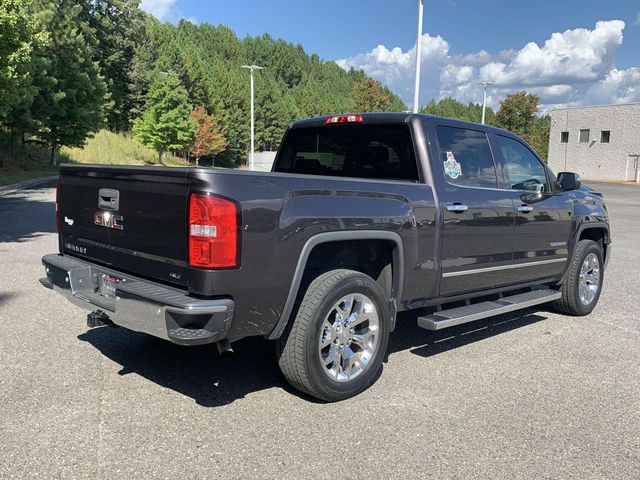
[{"x": 225, "y": 349}]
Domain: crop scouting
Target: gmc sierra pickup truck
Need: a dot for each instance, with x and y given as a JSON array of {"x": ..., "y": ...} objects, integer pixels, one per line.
[{"x": 362, "y": 216}]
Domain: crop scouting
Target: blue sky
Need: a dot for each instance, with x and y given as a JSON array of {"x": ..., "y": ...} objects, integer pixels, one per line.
[{"x": 577, "y": 59}]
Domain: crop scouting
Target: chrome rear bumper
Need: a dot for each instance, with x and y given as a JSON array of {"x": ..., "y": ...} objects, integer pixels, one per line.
[{"x": 138, "y": 304}]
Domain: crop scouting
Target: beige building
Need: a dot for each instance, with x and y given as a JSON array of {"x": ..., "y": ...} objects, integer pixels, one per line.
[{"x": 599, "y": 142}]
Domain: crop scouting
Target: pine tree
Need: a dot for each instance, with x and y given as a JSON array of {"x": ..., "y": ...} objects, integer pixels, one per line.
[
  {"x": 277, "y": 111},
  {"x": 118, "y": 27},
  {"x": 71, "y": 93},
  {"x": 166, "y": 124}
]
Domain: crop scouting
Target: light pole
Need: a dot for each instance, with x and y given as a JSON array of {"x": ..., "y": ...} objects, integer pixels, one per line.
[
  {"x": 484, "y": 97},
  {"x": 251, "y": 68},
  {"x": 416, "y": 92}
]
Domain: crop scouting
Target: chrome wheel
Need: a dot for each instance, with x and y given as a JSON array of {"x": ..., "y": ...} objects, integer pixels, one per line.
[
  {"x": 589, "y": 282},
  {"x": 349, "y": 337}
]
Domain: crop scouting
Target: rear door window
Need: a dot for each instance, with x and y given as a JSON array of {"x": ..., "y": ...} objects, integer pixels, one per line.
[
  {"x": 363, "y": 151},
  {"x": 466, "y": 157}
]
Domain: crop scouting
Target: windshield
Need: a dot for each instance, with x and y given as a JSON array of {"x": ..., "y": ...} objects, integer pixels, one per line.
[{"x": 364, "y": 151}]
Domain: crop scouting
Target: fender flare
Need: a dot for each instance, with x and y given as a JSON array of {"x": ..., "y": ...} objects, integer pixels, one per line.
[
  {"x": 589, "y": 226},
  {"x": 311, "y": 243},
  {"x": 592, "y": 225}
]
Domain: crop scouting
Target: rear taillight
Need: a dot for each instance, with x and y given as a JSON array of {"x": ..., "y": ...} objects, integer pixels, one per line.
[
  {"x": 213, "y": 232},
  {"x": 58, "y": 207},
  {"x": 344, "y": 119}
]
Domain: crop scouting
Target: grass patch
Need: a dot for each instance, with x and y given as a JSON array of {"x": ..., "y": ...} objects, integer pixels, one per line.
[
  {"x": 108, "y": 148},
  {"x": 22, "y": 162},
  {"x": 8, "y": 177}
]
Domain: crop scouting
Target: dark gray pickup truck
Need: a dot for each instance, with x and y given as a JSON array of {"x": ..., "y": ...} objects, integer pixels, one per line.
[{"x": 363, "y": 216}]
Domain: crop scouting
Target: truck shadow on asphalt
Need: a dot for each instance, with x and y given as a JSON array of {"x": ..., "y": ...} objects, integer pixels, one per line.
[
  {"x": 408, "y": 335},
  {"x": 199, "y": 372}
]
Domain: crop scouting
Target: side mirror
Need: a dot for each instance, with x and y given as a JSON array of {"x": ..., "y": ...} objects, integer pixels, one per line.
[{"x": 569, "y": 181}]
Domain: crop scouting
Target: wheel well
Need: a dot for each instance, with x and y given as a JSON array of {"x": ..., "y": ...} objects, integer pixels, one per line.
[
  {"x": 371, "y": 257},
  {"x": 598, "y": 235}
]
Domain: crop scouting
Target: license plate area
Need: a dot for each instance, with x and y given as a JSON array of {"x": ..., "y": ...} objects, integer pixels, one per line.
[{"x": 107, "y": 285}]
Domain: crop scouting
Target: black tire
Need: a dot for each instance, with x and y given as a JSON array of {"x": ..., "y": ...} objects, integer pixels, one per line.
[
  {"x": 298, "y": 348},
  {"x": 570, "y": 303}
]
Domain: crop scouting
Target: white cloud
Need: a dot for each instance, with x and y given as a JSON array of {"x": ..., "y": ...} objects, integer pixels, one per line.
[
  {"x": 572, "y": 67},
  {"x": 158, "y": 8},
  {"x": 618, "y": 86},
  {"x": 453, "y": 75},
  {"x": 573, "y": 56},
  {"x": 637, "y": 22},
  {"x": 392, "y": 67}
]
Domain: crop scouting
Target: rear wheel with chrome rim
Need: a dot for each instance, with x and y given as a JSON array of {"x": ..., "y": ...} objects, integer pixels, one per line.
[
  {"x": 583, "y": 281},
  {"x": 334, "y": 346},
  {"x": 349, "y": 337}
]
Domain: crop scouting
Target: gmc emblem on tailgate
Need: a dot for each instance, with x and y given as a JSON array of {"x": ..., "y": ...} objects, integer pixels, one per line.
[{"x": 109, "y": 220}]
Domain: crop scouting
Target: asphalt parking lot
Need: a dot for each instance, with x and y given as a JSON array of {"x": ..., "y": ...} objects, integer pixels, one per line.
[{"x": 524, "y": 396}]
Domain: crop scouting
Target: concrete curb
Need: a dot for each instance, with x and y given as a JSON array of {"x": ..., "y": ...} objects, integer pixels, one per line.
[{"x": 15, "y": 187}]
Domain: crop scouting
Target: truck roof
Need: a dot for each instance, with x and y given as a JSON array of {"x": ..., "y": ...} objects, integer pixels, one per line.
[{"x": 390, "y": 117}]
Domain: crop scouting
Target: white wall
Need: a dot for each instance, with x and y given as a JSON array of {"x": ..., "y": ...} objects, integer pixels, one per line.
[
  {"x": 264, "y": 161},
  {"x": 595, "y": 160}
]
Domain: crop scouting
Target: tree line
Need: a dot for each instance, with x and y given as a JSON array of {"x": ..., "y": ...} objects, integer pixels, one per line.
[{"x": 71, "y": 67}]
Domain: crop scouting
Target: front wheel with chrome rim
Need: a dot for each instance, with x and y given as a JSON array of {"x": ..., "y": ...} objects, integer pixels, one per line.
[
  {"x": 583, "y": 280},
  {"x": 335, "y": 344}
]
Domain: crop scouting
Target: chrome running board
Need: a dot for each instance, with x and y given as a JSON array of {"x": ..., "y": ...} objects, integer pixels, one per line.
[{"x": 470, "y": 313}]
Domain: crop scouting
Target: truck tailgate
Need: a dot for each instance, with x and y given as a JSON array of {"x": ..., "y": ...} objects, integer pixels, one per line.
[{"x": 131, "y": 219}]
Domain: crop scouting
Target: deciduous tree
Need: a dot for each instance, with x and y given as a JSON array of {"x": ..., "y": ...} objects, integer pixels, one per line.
[
  {"x": 518, "y": 113},
  {"x": 208, "y": 139},
  {"x": 451, "y": 108},
  {"x": 18, "y": 38},
  {"x": 369, "y": 96},
  {"x": 166, "y": 124}
]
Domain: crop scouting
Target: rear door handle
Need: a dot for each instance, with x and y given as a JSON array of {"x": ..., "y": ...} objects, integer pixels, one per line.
[
  {"x": 457, "y": 207},
  {"x": 524, "y": 208}
]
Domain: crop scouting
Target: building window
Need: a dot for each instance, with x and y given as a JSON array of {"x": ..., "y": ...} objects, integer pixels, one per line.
[
  {"x": 605, "y": 136},
  {"x": 564, "y": 137},
  {"x": 584, "y": 135}
]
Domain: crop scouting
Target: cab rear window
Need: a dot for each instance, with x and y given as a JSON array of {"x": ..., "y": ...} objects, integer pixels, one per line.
[{"x": 362, "y": 151}]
